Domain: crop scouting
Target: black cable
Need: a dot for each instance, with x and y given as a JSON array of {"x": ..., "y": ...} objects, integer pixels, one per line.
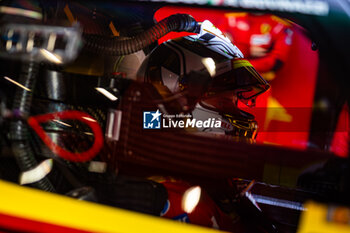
[
  {"x": 122, "y": 46},
  {"x": 19, "y": 132}
]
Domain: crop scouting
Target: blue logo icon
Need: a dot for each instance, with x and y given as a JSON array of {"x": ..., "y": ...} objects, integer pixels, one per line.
[
  {"x": 166, "y": 208},
  {"x": 151, "y": 120},
  {"x": 182, "y": 218}
]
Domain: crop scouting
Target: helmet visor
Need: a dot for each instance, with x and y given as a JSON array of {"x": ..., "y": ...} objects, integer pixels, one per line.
[{"x": 243, "y": 79}]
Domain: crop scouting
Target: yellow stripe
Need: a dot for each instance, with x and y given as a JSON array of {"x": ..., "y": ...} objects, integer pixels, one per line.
[
  {"x": 280, "y": 20},
  {"x": 59, "y": 210},
  {"x": 318, "y": 218},
  {"x": 240, "y": 63},
  {"x": 113, "y": 29},
  {"x": 236, "y": 14},
  {"x": 69, "y": 14}
]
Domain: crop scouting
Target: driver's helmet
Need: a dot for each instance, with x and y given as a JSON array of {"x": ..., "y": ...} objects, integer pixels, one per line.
[{"x": 231, "y": 78}]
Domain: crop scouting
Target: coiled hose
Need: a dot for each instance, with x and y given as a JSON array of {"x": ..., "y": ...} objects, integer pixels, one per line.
[
  {"x": 117, "y": 46},
  {"x": 19, "y": 132}
]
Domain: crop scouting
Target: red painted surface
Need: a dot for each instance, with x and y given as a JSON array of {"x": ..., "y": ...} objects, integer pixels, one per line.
[
  {"x": 294, "y": 88},
  {"x": 18, "y": 224}
]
